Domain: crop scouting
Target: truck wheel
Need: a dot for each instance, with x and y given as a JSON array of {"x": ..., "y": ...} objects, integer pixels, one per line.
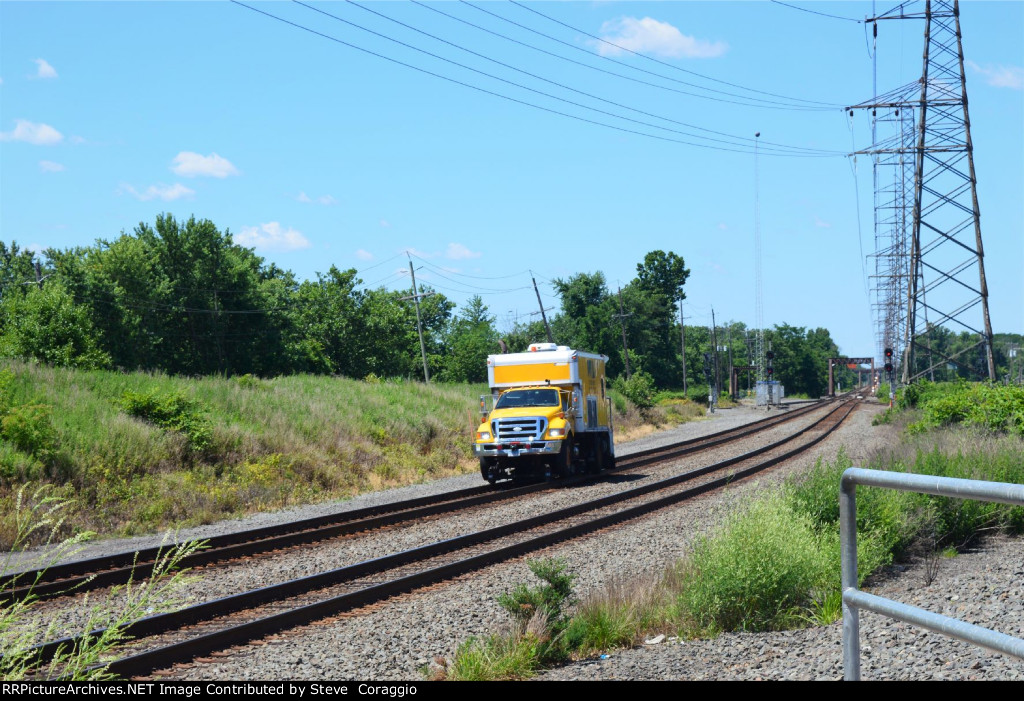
[
  {"x": 607, "y": 459},
  {"x": 488, "y": 469},
  {"x": 563, "y": 464}
]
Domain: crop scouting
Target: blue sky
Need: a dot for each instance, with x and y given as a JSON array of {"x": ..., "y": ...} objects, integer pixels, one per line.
[{"x": 316, "y": 153}]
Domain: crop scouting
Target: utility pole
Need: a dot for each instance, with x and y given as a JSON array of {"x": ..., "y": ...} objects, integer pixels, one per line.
[
  {"x": 551, "y": 339},
  {"x": 714, "y": 339},
  {"x": 419, "y": 325},
  {"x": 622, "y": 322},
  {"x": 682, "y": 340},
  {"x": 729, "y": 349},
  {"x": 39, "y": 275}
]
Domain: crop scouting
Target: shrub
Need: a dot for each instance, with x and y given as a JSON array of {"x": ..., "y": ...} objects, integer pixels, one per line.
[
  {"x": 172, "y": 411},
  {"x": 757, "y": 573},
  {"x": 638, "y": 389},
  {"x": 29, "y": 427},
  {"x": 549, "y": 599}
]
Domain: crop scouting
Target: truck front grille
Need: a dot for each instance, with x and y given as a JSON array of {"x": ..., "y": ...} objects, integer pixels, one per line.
[{"x": 523, "y": 429}]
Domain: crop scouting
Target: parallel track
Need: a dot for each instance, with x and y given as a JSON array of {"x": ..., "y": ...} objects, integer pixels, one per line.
[
  {"x": 357, "y": 591},
  {"x": 94, "y": 573}
]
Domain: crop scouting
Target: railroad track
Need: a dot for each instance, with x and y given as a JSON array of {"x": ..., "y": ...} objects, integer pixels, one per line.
[
  {"x": 109, "y": 570},
  {"x": 216, "y": 625}
]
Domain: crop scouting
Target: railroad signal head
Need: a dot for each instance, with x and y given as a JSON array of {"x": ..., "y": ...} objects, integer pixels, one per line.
[
  {"x": 888, "y": 353},
  {"x": 771, "y": 371},
  {"x": 888, "y": 367},
  {"x": 770, "y": 355}
]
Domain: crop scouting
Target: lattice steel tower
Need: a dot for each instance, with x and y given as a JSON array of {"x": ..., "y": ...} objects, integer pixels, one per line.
[{"x": 929, "y": 260}]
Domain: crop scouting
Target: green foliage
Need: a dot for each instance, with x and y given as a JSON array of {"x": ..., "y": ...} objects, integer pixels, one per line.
[
  {"x": 638, "y": 389},
  {"x": 30, "y": 429},
  {"x": 471, "y": 338},
  {"x": 756, "y": 572},
  {"x": 47, "y": 325},
  {"x": 998, "y": 408},
  {"x": 539, "y": 620},
  {"x": 496, "y": 657},
  {"x": 882, "y": 393},
  {"x": 550, "y": 599},
  {"x": 698, "y": 394},
  {"x": 173, "y": 411}
]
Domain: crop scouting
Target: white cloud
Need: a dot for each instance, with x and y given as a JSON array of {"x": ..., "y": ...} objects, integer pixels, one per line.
[
  {"x": 167, "y": 193},
  {"x": 456, "y": 251},
  {"x": 272, "y": 237},
  {"x": 385, "y": 224},
  {"x": 1000, "y": 76},
  {"x": 722, "y": 227},
  {"x": 50, "y": 167},
  {"x": 35, "y": 248},
  {"x": 44, "y": 70},
  {"x": 363, "y": 254},
  {"x": 193, "y": 165},
  {"x": 650, "y": 36},
  {"x": 32, "y": 133},
  {"x": 323, "y": 199},
  {"x": 821, "y": 223}
]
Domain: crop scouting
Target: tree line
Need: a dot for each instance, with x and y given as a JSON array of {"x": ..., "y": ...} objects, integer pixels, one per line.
[{"x": 181, "y": 297}]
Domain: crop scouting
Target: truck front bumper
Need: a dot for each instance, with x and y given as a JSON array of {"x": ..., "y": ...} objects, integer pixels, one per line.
[{"x": 514, "y": 450}]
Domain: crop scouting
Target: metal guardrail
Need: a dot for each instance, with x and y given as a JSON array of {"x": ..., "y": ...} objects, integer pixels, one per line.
[{"x": 854, "y": 599}]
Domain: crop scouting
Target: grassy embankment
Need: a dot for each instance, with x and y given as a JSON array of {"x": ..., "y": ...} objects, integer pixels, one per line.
[
  {"x": 141, "y": 452},
  {"x": 775, "y": 564}
]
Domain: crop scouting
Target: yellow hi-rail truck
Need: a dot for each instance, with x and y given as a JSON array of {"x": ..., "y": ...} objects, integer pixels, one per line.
[{"x": 552, "y": 415}]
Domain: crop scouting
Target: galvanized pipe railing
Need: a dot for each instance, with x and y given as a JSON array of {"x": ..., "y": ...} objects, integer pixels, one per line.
[{"x": 854, "y": 600}]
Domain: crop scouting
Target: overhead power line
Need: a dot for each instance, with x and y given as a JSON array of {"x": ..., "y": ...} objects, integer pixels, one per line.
[
  {"x": 734, "y": 137},
  {"x": 520, "y": 85},
  {"x": 597, "y": 68},
  {"x": 821, "y": 105},
  {"x": 508, "y": 97},
  {"x": 815, "y": 12}
]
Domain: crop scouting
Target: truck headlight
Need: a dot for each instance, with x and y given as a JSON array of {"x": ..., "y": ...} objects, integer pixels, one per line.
[
  {"x": 483, "y": 435},
  {"x": 556, "y": 432}
]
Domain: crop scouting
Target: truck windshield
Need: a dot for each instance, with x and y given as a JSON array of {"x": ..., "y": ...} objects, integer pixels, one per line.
[{"x": 527, "y": 397}]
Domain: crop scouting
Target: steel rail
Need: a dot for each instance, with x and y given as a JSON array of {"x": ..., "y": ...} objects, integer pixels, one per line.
[
  {"x": 94, "y": 573},
  {"x": 145, "y": 662}
]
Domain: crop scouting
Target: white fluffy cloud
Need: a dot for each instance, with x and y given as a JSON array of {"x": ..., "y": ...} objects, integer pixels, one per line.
[
  {"x": 650, "y": 36},
  {"x": 44, "y": 69},
  {"x": 363, "y": 254},
  {"x": 272, "y": 237},
  {"x": 1000, "y": 76},
  {"x": 192, "y": 165},
  {"x": 456, "y": 251},
  {"x": 32, "y": 133},
  {"x": 50, "y": 167},
  {"x": 167, "y": 193}
]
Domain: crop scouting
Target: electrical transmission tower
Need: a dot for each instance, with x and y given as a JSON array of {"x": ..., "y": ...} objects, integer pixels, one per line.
[{"x": 929, "y": 260}]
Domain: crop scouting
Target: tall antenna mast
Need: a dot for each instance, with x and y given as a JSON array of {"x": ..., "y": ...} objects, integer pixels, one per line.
[{"x": 758, "y": 288}]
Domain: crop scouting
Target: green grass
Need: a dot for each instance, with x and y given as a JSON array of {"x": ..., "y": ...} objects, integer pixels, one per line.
[{"x": 208, "y": 448}]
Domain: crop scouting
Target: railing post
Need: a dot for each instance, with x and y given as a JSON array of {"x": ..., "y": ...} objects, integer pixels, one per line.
[{"x": 848, "y": 552}]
